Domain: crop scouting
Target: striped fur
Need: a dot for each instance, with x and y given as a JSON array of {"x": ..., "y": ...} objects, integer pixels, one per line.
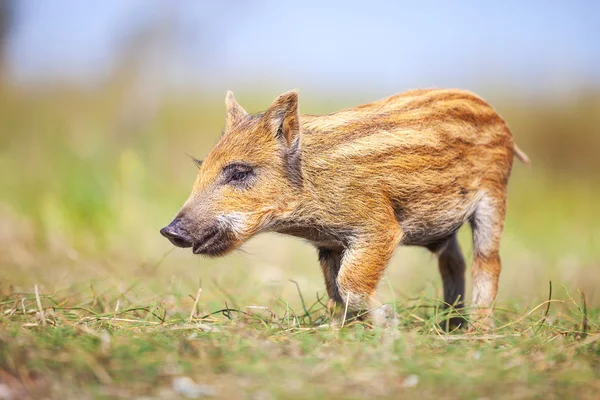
[{"x": 406, "y": 170}]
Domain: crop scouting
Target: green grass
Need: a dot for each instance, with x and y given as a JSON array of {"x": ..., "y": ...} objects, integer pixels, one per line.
[
  {"x": 87, "y": 181},
  {"x": 84, "y": 348}
]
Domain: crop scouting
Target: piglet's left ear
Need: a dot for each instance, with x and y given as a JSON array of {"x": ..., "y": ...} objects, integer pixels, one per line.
[
  {"x": 282, "y": 117},
  {"x": 235, "y": 112}
]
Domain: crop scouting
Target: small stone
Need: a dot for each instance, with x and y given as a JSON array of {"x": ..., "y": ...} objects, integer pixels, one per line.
[
  {"x": 190, "y": 389},
  {"x": 411, "y": 381},
  {"x": 5, "y": 392}
]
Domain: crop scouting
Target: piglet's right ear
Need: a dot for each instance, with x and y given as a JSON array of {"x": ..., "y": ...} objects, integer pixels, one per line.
[
  {"x": 282, "y": 117},
  {"x": 235, "y": 112}
]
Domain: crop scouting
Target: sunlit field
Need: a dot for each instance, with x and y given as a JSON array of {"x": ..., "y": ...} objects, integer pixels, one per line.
[{"x": 95, "y": 303}]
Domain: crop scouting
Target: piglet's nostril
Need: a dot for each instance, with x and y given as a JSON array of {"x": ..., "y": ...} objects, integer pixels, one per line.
[
  {"x": 174, "y": 233},
  {"x": 166, "y": 232}
]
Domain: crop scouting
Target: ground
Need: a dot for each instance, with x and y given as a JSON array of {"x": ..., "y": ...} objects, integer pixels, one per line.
[{"x": 78, "y": 348}]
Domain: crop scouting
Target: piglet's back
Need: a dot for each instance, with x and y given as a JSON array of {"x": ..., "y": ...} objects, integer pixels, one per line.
[{"x": 428, "y": 153}]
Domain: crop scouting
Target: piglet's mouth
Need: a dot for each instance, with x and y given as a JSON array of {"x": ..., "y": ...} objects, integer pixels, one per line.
[{"x": 213, "y": 242}]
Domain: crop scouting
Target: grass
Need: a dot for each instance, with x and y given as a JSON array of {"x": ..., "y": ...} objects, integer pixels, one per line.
[
  {"x": 95, "y": 304},
  {"x": 85, "y": 348}
]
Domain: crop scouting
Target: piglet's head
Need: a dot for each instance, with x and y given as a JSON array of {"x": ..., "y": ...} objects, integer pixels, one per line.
[{"x": 246, "y": 182}]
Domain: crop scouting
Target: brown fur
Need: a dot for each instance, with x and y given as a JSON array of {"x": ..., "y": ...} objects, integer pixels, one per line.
[{"x": 406, "y": 170}]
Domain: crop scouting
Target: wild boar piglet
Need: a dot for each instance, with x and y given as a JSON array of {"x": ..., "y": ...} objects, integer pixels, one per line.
[{"x": 406, "y": 170}]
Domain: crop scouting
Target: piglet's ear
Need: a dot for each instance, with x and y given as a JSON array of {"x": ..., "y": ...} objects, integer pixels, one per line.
[
  {"x": 235, "y": 112},
  {"x": 282, "y": 117}
]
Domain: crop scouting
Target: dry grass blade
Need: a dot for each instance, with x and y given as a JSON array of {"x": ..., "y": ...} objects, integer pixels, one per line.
[
  {"x": 116, "y": 311},
  {"x": 194, "y": 307},
  {"x": 518, "y": 320},
  {"x": 39, "y": 304},
  {"x": 346, "y": 309},
  {"x": 451, "y": 338}
]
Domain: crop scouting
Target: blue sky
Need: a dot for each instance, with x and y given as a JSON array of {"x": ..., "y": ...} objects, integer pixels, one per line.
[{"x": 530, "y": 45}]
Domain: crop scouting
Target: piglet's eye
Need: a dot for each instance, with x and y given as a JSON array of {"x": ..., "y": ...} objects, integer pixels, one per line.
[
  {"x": 238, "y": 173},
  {"x": 239, "y": 176}
]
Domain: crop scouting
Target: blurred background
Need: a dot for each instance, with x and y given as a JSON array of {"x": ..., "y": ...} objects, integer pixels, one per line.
[{"x": 101, "y": 100}]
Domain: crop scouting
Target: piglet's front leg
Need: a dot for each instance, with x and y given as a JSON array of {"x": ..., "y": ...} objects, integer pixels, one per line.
[{"x": 361, "y": 267}]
